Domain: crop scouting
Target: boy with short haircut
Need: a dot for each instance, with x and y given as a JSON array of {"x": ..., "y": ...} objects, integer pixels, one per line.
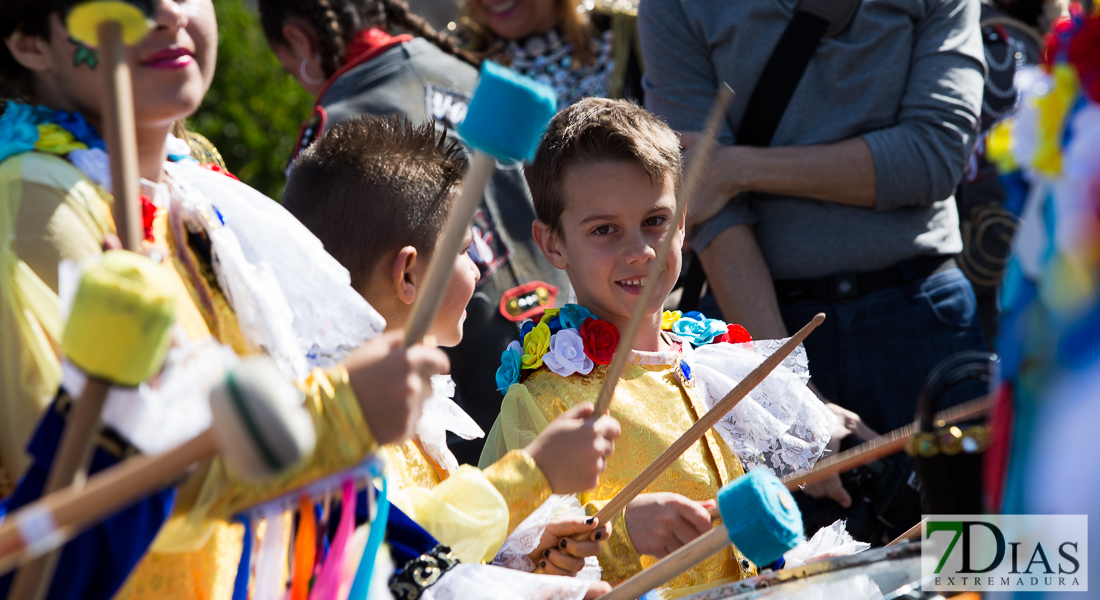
[
  {"x": 604, "y": 181},
  {"x": 377, "y": 192}
]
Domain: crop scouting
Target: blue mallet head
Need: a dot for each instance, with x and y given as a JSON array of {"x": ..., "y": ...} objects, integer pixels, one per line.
[
  {"x": 761, "y": 516},
  {"x": 508, "y": 114}
]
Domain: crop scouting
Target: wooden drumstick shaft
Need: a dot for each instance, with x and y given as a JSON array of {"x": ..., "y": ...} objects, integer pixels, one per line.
[
  {"x": 911, "y": 534},
  {"x": 884, "y": 445},
  {"x": 54, "y": 519},
  {"x": 118, "y": 115},
  {"x": 708, "y": 420},
  {"x": 692, "y": 180},
  {"x": 686, "y": 557},
  {"x": 442, "y": 264}
]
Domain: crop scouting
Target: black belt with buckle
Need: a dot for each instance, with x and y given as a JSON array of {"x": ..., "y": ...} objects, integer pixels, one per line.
[{"x": 849, "y": 286}]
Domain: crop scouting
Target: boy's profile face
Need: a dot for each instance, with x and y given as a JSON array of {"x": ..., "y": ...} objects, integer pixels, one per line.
[
  {"x": 611, "y": 225},
  {"x": 447, "y": 326}
]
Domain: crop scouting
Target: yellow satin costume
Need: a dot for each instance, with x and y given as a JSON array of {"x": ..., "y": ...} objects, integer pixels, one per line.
[{"x": 654, "y": 404}]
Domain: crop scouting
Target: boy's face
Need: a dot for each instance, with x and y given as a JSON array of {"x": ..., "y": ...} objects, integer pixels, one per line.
[
  {"x": 447, "y": 327},
  {"x": 613, "y": 221}
]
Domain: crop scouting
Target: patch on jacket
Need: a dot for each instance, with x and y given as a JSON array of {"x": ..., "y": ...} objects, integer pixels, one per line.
[
  {"x": 527, "y": 301},
  {"x": 447, "y": 107}
]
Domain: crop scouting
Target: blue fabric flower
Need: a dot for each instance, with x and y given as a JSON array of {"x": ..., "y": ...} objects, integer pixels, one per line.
[
  {"x": 525, "y": 329},
  {"x": 694, "y": 315},
  {"x": 19, "y": 128},
  {"x": 572, "y": 315},
  {"x": 509, "y": 370},
  {"x": 698, "y": 332},
  {"x": 554, "y": 324},
  {"x": 80, "y": 128}
]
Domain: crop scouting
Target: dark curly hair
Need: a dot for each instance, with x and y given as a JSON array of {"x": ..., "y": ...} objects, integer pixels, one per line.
[{"x": 336, "y": 21}]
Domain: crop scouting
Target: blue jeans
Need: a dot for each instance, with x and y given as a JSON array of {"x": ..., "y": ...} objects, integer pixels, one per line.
[{"x": 872, "y": 354}]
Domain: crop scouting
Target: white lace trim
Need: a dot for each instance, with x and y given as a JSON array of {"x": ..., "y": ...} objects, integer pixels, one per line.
[
  {"x": 490, "y": 582},
  {"x": 517, "y": 547},
  {"x": 781, "y": 424}
]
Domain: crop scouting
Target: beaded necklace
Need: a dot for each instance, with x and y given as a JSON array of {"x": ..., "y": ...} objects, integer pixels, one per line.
[{"x": 548, "y": 59}]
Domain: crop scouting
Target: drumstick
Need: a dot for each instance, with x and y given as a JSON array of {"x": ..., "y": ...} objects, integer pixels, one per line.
[
  {"x": 692, "y": 179},
  {"x": 696, "y": 431},
  {"x": 764, "y": 525},
  {"x": 884, "y": 445},
  {"x": 912, "y": 534},
  {"x": 259, "y": 426},
  {"x": 506, "y": 119}
]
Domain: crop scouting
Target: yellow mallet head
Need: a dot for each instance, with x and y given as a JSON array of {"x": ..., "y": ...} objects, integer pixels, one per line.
[
  {"x": 134, "y": 16},
  {"x": 119, "y": 326}
]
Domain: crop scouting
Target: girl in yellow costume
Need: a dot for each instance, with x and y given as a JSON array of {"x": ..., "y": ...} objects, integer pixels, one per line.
[{"x": 604, "y": 182}]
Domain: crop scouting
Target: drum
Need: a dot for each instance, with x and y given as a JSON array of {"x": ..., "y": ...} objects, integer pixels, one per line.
[{"x": 869, "y": 575}]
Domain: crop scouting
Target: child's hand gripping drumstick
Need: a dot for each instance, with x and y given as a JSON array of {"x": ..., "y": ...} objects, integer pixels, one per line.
[
  {"x": 507, "y": 116},
  {"x": 708, "y": 420},
  {"x": 259, "y": 426},
  {"x": 692, "y": 179},
  {"x": 759, "y": 517}
]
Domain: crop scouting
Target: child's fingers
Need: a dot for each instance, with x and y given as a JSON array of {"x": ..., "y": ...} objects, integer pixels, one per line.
[
  {"x": 569, "y": 565},
  {"x": 570, "y": 526},
  {"x": 608, "y": 427},
  {"x": 579, "y": 548},
  {"x": 601, "y": 533},
  {"x": 695, "y": 516}
]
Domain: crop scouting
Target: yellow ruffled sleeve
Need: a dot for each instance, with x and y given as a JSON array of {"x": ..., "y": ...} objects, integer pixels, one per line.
[
  {"x": 522, "y": 484},
  {"x": 465, "y": 512},
  {"x": 48, "y": 212},
  {"x": 520, "y": 421}
]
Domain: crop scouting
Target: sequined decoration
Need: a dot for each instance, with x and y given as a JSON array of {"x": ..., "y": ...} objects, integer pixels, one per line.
[{"x": 546, "y": 58}]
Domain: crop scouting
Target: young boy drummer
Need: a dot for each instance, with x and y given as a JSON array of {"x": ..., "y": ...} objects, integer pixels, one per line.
[
  {"x": 604, "y": 182},
  {"x": 377, "y": 193}
]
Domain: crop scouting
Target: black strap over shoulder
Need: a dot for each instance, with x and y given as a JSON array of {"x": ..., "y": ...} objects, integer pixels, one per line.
[{"x": 813, "y": 20}]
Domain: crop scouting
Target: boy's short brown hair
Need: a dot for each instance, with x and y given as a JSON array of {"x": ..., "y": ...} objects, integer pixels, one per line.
[
  {"x": 371, "y": 185},
  {"x": 598, "y": 130}
]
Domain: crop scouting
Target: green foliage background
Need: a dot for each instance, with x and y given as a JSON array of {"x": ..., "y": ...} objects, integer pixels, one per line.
[{"x": 254, "y": 109}]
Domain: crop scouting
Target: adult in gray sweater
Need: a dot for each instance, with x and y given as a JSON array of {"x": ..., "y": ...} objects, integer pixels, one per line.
[{"x": 850, "y": 210}]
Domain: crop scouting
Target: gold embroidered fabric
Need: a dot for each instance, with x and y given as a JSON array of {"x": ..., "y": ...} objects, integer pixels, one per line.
[
  {"x": 522, "y": 484},
  {"x": 409, "y": 467},
  {"x": 654, "y": 409}
]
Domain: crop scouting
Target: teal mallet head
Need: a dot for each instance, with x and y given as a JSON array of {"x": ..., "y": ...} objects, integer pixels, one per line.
[
  {"x": 761, "y": 516},
  {"x": 508, "y": 114}
]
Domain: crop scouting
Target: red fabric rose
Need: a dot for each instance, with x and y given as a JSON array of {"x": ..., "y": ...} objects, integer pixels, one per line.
[
  {"x": 738, "y": 334},
  {"x": 600, "y": 340},
  {"x": 148, "y": 213},
  {"x": 735, "y": 334},
  {"x": 215, "y": 168},
  {"x": 1084, "y": 54}
]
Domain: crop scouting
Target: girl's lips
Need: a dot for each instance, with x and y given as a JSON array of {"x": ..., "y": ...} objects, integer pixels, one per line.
[
  {"x": 503, "y": 10},
  {"x": 176, "y": 58}
]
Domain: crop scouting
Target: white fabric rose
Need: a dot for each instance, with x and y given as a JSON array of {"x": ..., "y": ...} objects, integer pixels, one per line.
[{"x": 566, "y": 355}]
